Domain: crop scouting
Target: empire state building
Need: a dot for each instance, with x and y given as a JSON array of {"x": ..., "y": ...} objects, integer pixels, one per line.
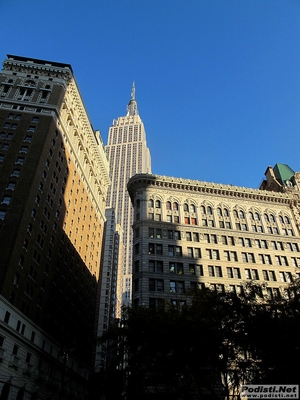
[{"x": 128, "y": 155}]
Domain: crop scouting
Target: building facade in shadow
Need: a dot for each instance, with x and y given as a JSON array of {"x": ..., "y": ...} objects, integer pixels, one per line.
[{"x": 53, "y": 186}]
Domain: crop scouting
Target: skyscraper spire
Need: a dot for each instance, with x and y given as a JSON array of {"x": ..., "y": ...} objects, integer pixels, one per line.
[
  {"x": 133, "y": 91},
  {"x": 132, "y": 105}
]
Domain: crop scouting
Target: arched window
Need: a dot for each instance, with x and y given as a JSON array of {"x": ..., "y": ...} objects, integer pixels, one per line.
[
  {"x": 209, "y": 210},
  {"x": 192, "y": 208},
  {"x": 287, "y": 220},
  {"x": 20, "y": 395},
  {"x": 168, "y": 205},
  {"x": 202, "y": 209},
  {"x": 226, "y": 212},
  {"x": 251, "y": 215},
  {"x": 157, "y": 204},
  {"x": 185, "y": 207},
  {"x": 151, "y": 203},
  {"x": 257, "y": 216},
  {"x": 242, "y": 214},
  {"x": 281, "y": 219},
  {"x": 266, "y": 218},
  {"x": 272, "y": 218},
  {"x": 235, "y": 213},
  {"x": 219, "y": 212},
  {"x": 5, "y": 392},
  {"x": 29, "y": 83},
  {"x": 175, "y": 206}
]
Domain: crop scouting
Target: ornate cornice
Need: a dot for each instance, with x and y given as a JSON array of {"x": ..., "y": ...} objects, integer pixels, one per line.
[{"x": 210, "y": 188}]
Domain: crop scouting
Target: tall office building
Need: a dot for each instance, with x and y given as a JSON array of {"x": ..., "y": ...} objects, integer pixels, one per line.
[
  {"x": 109, "y": 299},
  {"x": 128, "y": 154},
  {"x": 191, "y": 234},
  {"x": 53, "y": 187}
]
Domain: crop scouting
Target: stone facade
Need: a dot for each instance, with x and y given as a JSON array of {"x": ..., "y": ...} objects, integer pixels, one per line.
[
  {"x": 53, "y": 185},
  {"x": 128, "y": 154},
  {"x": 190, "y": 234}
]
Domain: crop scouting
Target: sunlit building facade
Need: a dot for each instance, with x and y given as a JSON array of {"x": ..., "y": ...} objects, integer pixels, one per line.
[
  {"x": 191, "y": 234},
  {"x": 128, "y": 154},
  {"x": 53, "y": 185}
]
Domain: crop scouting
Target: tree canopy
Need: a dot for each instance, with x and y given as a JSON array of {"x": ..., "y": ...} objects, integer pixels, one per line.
[{"x": 206, "y": 349}]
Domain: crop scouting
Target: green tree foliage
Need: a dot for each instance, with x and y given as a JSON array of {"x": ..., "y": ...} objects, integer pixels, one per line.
[{"x": 207, "y": 349}]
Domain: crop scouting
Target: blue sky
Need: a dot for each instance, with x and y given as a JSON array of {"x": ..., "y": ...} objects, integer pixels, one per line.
[{"x": 217, "y": 81}]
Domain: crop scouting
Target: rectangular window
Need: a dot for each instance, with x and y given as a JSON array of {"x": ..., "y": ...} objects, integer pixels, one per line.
[
  {"x": 151, "y": 232},
  {"x": 190, "y": 252},
  {"x": 151, "y": 266},
  {"x": 248, "y": 242},
  {"x": 213, "y": 239},
  {"x": 160, "y": 285},
  {"x": 170, "y": 234},
  {"x": 172, "y": 287},
  {"x": 159, "y": 267},
  {"x": 224, "y": 240},
  {"x": 159, "y": 249},
  {"x": 151, "y": 248},
  {"x": 158, "y": 233},
  {"x": 200, "y": 269},
  {"x": 237, "y": 273},
  {"x": 151, "y": 285},
  {"x": 195, "y": 236},
  {"x": 265, "y": 275},
  {"x": 178, "y": 251},
  {"x": 192, "y": 269},
  {"x": 171, "y": 251},
  {"x": 197, "y": 252},
  {"x": 206, "y": 238},
  {"x": 211, "y": 271},
  {"x": 6, "y": 200},
  {"x": 188, "y": 236},
  {"x": 177, "y": 235}
]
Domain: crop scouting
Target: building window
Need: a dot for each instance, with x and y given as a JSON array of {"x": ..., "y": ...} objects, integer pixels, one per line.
[
  {"x": 151, "y": 232},
  {"x": 211, "y": 271},
  {"x": 188, "y": 236},
  {"x": 20, "y": 160},
  {"x": 6, "y": 200},
  {"x": 192, "y": 269},
  {"x": 195, "y": 236},
  {"x": 177, "y": 235},
  {"x": 177, "y": 287},
  {"x": 178, "y": 251},
  {"x": 176, "y": 268},
  {"x": 190, "y": 252},
  {"x": 156, "y": 266},
  {"x": 233, "y": 273}
]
